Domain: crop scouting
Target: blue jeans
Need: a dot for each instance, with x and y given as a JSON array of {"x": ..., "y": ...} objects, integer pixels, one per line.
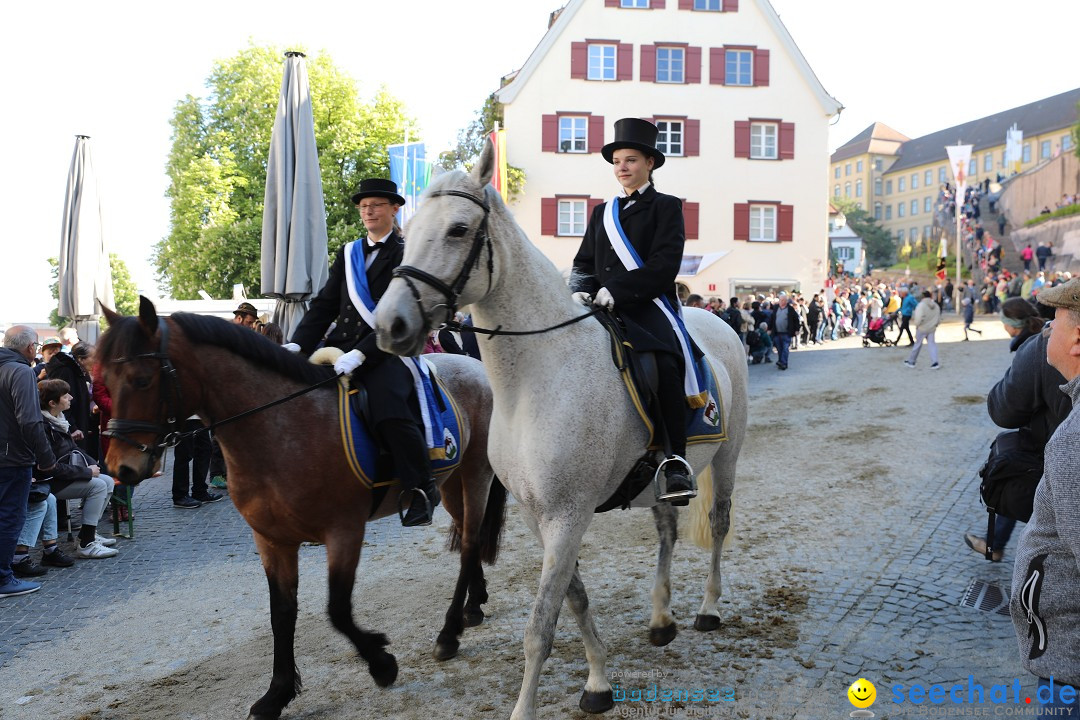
[
  {"x": 40, "y": 520},
  {"x": 1056, "y": 703},
  {"x": 782, "y": 341},
  {"x": 14, "y": 489},
  {"x": 1003, "y": 528}
]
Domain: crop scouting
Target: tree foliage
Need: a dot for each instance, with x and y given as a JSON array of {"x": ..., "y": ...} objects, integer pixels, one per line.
[
  {"x": 471, "y": 141},
  {"x": 125, "y": 293},
  {"x": 880, "y": 246},
  {"x": 217, "y": 166}
]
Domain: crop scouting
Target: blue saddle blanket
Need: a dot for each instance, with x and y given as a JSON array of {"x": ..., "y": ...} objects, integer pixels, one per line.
[
  {"x": 707, "y": 423},
  {"x": 362, "y": 452}
]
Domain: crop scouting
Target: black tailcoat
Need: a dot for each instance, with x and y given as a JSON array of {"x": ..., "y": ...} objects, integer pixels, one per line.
[
  {"x": 654, "y": 226},
  {"x": 388, "y": 382}
]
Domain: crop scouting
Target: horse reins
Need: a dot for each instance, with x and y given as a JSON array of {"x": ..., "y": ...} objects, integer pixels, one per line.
[
  {"x": 452, "y": 291},
  {"x": 170, "y": 435}
]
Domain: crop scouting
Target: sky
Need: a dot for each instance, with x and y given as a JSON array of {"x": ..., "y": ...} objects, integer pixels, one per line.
[{"x": 114, "y": 70}]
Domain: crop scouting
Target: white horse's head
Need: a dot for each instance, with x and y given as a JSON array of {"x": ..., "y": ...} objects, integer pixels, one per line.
[{"x": 448, "y": 258}]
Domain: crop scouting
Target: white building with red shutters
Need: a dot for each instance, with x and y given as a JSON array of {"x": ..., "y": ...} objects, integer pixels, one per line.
[{"x": 743, "y": 122}]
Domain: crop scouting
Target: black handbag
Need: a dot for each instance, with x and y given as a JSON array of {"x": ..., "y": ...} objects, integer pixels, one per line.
[
  {"x": 39, "y": 492},
  {"x": 1010, "y": 477}
]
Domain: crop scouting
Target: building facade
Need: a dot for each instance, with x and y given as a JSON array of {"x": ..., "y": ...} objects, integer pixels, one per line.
[
  {"x": 906, "y": 175},
  {"x": 743, "y": 122}
]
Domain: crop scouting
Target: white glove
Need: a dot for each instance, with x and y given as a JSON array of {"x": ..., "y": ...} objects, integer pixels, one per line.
[
  {"x": 583, "y": 298},
  {"x": 291, "y": 347},
  {"x": 604, "y": 299},
  {"x": 348, "y": 362}
]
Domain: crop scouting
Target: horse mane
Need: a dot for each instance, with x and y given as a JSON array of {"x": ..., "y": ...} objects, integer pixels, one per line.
[{"x": 125, "y": 337}]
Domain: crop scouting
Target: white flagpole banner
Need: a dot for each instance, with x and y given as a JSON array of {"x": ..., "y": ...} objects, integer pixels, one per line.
[{"x": 959, "y": 157}]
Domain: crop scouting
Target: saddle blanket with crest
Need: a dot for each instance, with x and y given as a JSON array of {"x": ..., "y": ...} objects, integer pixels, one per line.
[{"x": 363, "y": 453}]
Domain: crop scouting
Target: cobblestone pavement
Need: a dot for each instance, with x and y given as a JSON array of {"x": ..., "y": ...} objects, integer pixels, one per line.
[{"x": 884, "y": 600}]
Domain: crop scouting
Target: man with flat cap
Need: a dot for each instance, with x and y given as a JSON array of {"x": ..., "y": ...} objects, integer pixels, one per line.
[
  {"x": 627, "y": 262},
  {"x": 1045, "y": 604},
  {"x": 358, "y": 278},
  {"x": 245, "y": 314}
]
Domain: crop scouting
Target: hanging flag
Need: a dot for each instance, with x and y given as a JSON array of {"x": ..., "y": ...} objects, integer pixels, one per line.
[
  {"x": 959, "y": 157},
  {"x": 498, "y": 179},
  {"x": 410, "y": 169}
]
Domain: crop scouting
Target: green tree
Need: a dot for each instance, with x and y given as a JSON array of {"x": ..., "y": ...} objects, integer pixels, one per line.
[
  {"x": 125, "y": 294},
  {"x": 217, "y": 166},
  {"x": 880, "y": 246},
  {"x": 471, "y": 141}
]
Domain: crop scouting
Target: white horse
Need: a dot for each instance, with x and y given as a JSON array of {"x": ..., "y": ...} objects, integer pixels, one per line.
[{"x": 564, "y": 433}]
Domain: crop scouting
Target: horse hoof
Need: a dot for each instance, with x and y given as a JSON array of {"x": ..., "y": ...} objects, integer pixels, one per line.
[
  {"x": 473, "y": 617},
  {"x": 596, "y": 701},
  {"x": 661, "y": 636},
  {"x": 446, "y": 650},
  {"x": 384, "y": 671},
  {"x": 706, "y": 623}
]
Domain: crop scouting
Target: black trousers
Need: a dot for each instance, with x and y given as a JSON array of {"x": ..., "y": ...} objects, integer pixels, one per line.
[
  {"x": 405, "y": 441},
  {"x": 672, "y": 399},
  {"x": 905, "y": 326},
  {"x": 193, "y": 450}
]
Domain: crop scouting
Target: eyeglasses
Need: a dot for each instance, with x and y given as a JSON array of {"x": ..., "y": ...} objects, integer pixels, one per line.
[{"x": 371, "y": 206}]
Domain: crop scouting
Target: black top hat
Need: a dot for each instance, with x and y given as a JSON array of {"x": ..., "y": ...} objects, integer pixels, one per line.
[
  {"x": 637, "y": 134},
  {"x": 377, "y": 187}
]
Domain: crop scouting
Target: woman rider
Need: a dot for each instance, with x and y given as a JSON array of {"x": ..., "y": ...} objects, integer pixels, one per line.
[{"x": 652, "y": 223}]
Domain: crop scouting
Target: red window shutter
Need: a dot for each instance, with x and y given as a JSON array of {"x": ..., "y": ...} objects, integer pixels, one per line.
[
  {"x": 592, "y": 203},
  {"x": 692, "y": 138},
  {"x": 657, "y": 4},
  {"x": 611, "y": 3},
  {"x": 549, "y": 216},
  {"x": 693, "y": 65},
  {"x": 596, "y": 133},
  {"x": 787, "y": 141},
  {"x": 686, "y": 4},
  {"x": 731, "y": 5},
  {"x": 648, "y": 63},
  {"x": 785, "y": 226},
  {"x": 625, "y": 62},
  {"x": 579, "y": 60},
  {"x": 716, "y": 66},
  {"x": 550, "y": 134},
  {"x": 742, "y": 221},
  {"x": 690, "y": 218},
  {"x": 761, "y": 68},
  {"x": 742, "y": 138}
]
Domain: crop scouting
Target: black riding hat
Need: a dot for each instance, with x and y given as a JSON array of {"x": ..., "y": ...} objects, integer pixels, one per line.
[
  {"x": 377, "y": 187},
  {"x": 637, "y": 134}
]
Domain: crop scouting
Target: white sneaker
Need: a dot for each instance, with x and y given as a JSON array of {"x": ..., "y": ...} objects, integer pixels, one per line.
[
  {"x": 107, "y": 542},
  {"x": 95, "y": 551}
]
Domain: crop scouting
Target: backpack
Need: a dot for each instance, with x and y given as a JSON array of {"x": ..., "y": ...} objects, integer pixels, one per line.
[{"x": 734, "y": 319}]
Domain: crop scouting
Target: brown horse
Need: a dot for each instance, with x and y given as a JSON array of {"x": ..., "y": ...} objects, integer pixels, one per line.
[{"x": 288, "y": 473}]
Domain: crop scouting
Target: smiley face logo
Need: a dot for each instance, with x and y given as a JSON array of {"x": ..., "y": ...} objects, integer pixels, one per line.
[{"x": 862, "y": 693}]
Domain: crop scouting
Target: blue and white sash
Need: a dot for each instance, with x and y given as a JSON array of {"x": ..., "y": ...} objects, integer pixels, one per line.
[
  {"x": 360, "y": 295},
  {"x": 693, "y": 377}
]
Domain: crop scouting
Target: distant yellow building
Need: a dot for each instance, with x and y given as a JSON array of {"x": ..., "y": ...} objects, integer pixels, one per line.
[{"x": 897, "y": 179}]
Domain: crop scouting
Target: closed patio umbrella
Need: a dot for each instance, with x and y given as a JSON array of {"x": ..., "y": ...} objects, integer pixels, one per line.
[
  {"x": 294, "y": 249},
  {"x": 84, "y": 273}
]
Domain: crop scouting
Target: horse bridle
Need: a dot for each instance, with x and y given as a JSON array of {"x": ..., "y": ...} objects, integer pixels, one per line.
[
  {"x": 453, "y": 290},
  {"x": 165, "y": 436}
]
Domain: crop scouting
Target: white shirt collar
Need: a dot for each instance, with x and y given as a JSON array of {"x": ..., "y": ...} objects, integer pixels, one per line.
[
  {"x": 373, "y": 241},
  {"x": 640, "y": 191}
]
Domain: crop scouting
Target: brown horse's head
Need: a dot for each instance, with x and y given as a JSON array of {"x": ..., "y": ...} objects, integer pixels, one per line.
[{"x": 144, "y": 390}]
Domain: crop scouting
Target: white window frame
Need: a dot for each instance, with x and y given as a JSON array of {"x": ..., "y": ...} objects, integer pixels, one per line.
[
  {"x": 1066, "y": 142},
  {"x": 973, "y": 167},
  {"x": 836, "y": 190},
  {"x": 571, "y": 217},
  {"x": 574, "y": 122},
  {"x": 877, "y": 211},
  {"x": 928, "y": 204},
  {"x": 836, "y": 173},
  {"x": 858, "y": 187},
  {"x": 888, "y": 212},
  {"x": 928, "y": 178},
  {"x": 901, "y": 209},
  {"x": 858, "y": 166},
  {"x": 671, "y": 140},
  {"x": 877, "y": 186},
  {"x": 988, "y": 162},
  {"x": 847, "y": 189},
  {"x": 675, "y": 72},
  {"x": 1026, "y": 154},
  {"x": 914, "y": 207},
  {"x": 641, "y": 4},
  {"x": 1045, "y": 150},
  {"x": 760, "y": 136},
  {"x": 844, "y": 252},
  {"x": 707, "y": 5},
  {"x": 763, "y": 223},
  {"x": 914, "y": 181},
  {"x": 941, "y": 175},
  {"x": 901, "y": 184},
  {"x": 600, "y": 55},
  {"x": 743, "y": 61}
]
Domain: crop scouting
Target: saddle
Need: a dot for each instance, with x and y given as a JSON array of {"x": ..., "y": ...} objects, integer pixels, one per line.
[{"x": 640, "y": 375}]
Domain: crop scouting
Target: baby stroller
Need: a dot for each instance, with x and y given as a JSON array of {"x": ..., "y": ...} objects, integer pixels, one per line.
[{"x": 875, "y": 332}]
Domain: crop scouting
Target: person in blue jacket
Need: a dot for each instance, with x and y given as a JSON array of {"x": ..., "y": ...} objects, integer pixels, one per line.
[{"x": 908, "y": 303}]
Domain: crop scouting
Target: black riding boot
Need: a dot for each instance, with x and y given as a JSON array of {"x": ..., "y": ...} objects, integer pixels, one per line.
[
  {"x": 675, "y": 412},
  {"x": 406, "y": 443}
]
